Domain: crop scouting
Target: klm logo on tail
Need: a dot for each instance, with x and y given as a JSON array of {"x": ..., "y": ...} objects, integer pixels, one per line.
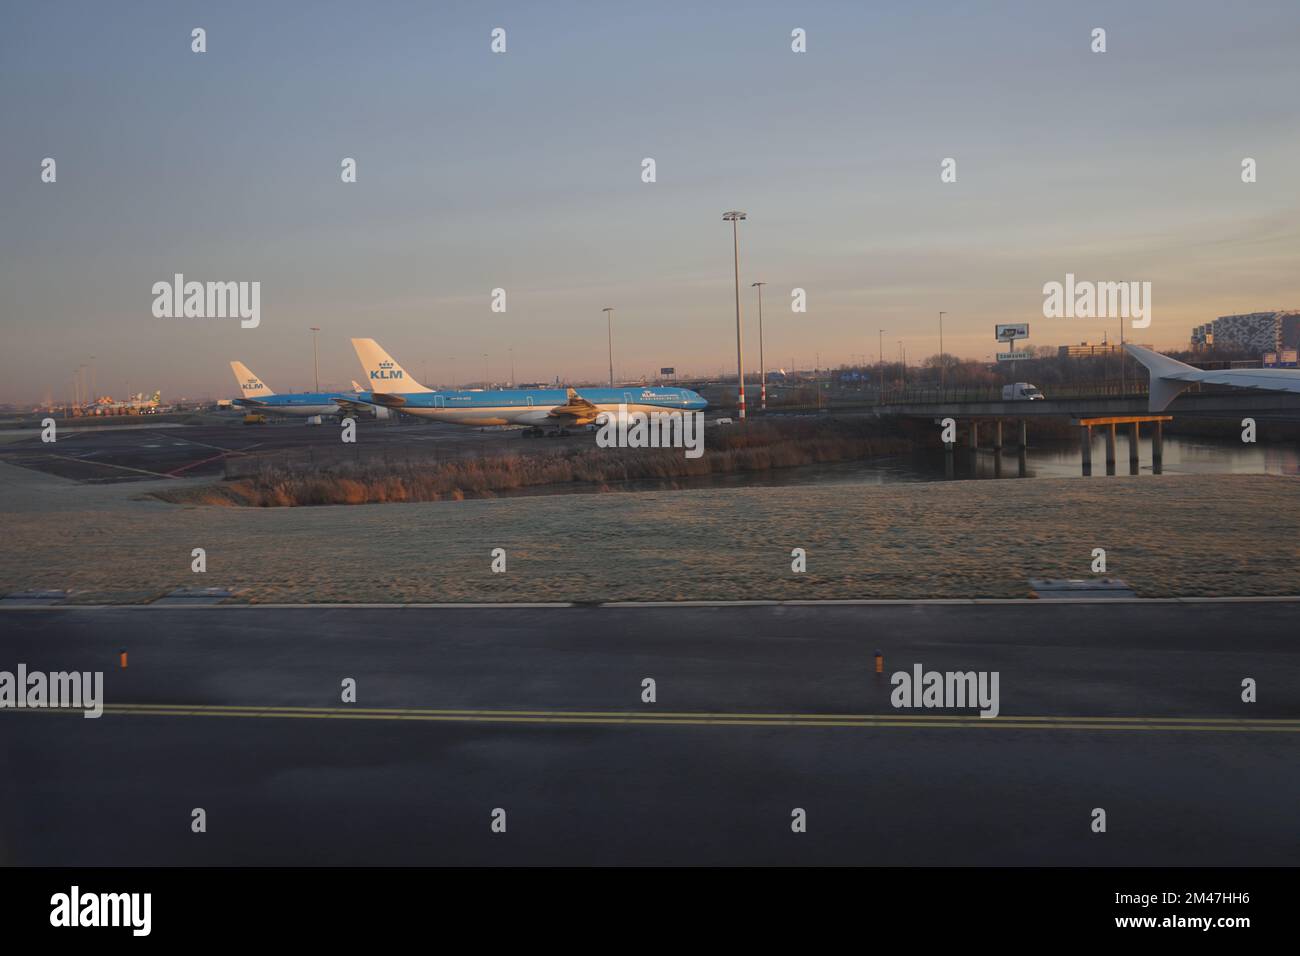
[
  {"x": 251, "y": 385},
  {"x": 385, "y": 372}
]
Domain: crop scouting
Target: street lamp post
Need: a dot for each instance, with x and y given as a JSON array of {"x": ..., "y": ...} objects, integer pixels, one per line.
[
  {"x": 734, "y": 217},
  {"x": 315, "y": 360},
  {"x": 942, "y": 363},
  {"x": 880, "y": 354},
  {"x": 1121, "y": 355},
  {"x": 762, "y": 368},
  {"x": 609, "y": 321}
]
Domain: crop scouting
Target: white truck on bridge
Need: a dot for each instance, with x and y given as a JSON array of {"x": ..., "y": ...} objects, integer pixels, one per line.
[{"x": 1021, "y": 392}]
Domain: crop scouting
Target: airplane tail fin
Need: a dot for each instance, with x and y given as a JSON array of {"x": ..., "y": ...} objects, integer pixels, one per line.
[
  {"x": 250, "y": 386},
  {"x": 1169, "y": 377},
  {"x": 384, "y": 374}
]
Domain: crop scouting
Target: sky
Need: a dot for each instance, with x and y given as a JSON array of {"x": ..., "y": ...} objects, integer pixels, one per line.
[{"x": 523, "y": 171}]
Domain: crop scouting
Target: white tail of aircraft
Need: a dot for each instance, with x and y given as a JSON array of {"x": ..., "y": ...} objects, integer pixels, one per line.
[
  {"x": 250, "y": 386},
  {"x": 382, "y": 373},
  {"x": 1169, "y": 377}
]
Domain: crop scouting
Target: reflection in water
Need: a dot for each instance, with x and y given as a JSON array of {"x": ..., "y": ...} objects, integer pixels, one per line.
[
  {"x": 1182, "y": 456},
  {"x": 1048, "y": 459},
  {"x": 1055, "y": 459}
]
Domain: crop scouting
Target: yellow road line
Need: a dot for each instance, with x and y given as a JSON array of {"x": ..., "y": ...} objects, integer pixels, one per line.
[{"x": 614, "y": 718}]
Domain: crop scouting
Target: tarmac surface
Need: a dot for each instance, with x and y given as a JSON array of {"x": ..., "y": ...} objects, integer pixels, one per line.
[
  {"x": 157, "y": 451},
  {"x": 1134, "y": 708}
]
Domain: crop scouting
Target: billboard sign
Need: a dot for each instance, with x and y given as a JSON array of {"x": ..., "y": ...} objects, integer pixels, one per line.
[
  {"x": 1009, "y": 333},
  {"x": 1283, "y": 359},
  {"x": 668, "y": 371},
  {"x": 1012, "y": 356}
]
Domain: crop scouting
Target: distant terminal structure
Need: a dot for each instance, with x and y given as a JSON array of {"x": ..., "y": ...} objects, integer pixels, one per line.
[{"x": 1250, "y": 331}]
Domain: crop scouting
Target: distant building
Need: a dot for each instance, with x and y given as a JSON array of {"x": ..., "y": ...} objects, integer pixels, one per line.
[
  {"x": 1088, "y": 350},
  {"x": 1289, "y": 333},
  {"x": 1252, "y": 331}
]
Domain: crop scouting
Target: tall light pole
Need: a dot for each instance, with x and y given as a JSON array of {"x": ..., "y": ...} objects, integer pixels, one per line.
[
  {"x": 762, "y": 368},
  {"x": 315, "y": 360},
  {"x": 880, "y": 354},
  {"x": 1121, "y": 355},
  {"x": 609, "y": 322},
  {"x": 485, "y": 371},
  {"x": 512, "y": 366},
  {"x": 734, "y": 217},
  {"x": 942, "y": 375}
]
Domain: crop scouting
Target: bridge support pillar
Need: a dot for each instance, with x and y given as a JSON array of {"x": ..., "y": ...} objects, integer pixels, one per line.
[
  {"x": 974, "y": 435},
  {"x": 997, "y": 434},
  {"x": 948, "y": 465},
  {"x": 1024, "y": 434},
  {"x": 1134, "y": 436},
  {"x": 1158, "y": 449},
  {"x": 1110, "y": 449},
  {"x": 1085, "y": 448}
]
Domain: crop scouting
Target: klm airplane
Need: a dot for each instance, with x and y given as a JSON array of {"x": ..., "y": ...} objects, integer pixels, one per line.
[
  {"x": 256, "y": 397},
  {"x": 392, "y": 388}
]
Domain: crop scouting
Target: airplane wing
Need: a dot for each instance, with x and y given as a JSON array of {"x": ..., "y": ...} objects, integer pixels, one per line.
[
  {"x": 1169, "y": 377},
  {"x": 575, "y": 408},
  {"x": 376, "y": 398},
  {"x": 349, "y": 405}
]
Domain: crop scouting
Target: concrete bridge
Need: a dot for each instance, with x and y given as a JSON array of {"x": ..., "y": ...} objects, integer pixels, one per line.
[
  {"x": 1108, "y": 413},
  {"x": 1217, "y": 403}
]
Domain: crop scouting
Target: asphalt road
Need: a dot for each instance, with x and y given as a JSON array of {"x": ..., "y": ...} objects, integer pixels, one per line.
[{"x": 1134, "y": 708}]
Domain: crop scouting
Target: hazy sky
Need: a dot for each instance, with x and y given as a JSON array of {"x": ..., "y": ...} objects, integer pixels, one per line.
[{"x": 523, "y": 171}]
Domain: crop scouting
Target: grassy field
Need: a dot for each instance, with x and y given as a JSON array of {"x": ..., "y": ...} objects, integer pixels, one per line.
[{"x": 1168, "y": 535}]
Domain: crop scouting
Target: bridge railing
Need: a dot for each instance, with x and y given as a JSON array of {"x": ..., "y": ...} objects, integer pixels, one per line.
[
  {"x": 993, "y": 393},
  {"x": 830, "y": 402}
]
